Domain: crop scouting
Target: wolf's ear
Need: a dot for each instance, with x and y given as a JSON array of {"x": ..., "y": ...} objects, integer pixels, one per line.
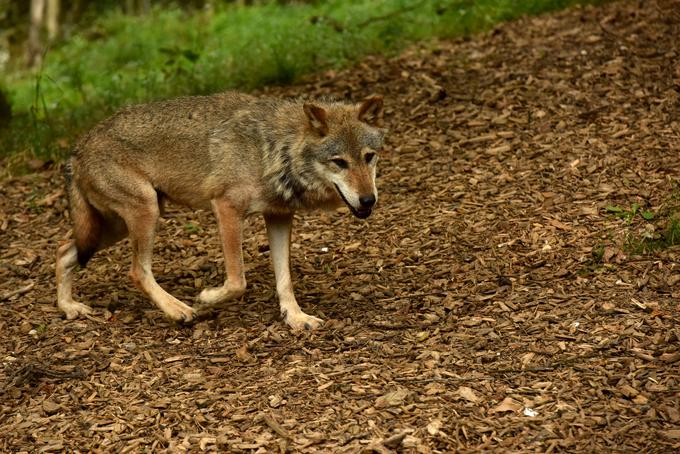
[
  {"x": 317, "y": 117},
  {"x": 371, "y": 111}
]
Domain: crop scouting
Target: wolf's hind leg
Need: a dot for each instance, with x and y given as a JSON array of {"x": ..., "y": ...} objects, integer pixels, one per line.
[
  {"x": 230, "y": 223},
  {"x": 67, "y": 261},
  {"x": 278, "y": 231},
  {"x": 110, "y": 231},
  {"x": 141, "y": 224}
]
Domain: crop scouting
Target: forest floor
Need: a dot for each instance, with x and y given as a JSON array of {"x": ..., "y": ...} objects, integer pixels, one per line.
[{"x": 494, "y": 302}]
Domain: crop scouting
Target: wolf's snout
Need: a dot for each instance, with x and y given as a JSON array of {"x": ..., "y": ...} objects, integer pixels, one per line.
[{"x": 367, "y": 201}]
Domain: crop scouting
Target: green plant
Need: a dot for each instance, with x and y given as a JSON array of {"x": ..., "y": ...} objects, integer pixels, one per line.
[
  {"x": 190, "y": 228},
  {"x": 652, "y": 241},
  {"x": 33, "y": 199},
  {"x": 655, "y": 230},
  {"x": 629, "y": 215}
]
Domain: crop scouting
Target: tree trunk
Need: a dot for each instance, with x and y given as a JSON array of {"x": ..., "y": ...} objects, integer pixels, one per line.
[
  {"x": 137, "y": 7},
  {"x": 52, "y": 23},
  {"x": 34, "y": 56}
]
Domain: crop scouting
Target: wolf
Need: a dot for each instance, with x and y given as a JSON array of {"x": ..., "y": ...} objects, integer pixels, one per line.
[{"x": 234, "y": 153}]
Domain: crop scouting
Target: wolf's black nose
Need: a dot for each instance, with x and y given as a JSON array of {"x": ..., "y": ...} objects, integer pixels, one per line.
[{"x": 367, "y": 201}]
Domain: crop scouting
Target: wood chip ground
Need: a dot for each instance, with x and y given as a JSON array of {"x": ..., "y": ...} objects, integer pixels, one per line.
[{"x": 488, "y": 305}]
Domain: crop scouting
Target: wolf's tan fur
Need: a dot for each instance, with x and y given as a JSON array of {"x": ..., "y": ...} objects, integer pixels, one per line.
[{"x": 232, "y": 152}]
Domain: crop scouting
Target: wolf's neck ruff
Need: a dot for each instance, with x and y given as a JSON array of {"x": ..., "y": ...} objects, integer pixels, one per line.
[
  {"x": 287, "y": 185},
  {"x": 289, "y": 172}
]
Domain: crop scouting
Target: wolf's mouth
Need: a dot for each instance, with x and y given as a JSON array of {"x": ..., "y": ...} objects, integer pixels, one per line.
[{"x": 361, "y": 214}]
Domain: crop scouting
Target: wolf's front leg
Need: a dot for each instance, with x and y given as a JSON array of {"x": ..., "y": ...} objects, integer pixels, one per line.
[
  {"x": 278, "y": 231},
  {"x": 230, "y": 223}
]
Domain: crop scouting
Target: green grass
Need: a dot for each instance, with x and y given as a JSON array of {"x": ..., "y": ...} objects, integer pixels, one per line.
[
  {"x": 121, "y": 59},
  {"x": 660, "y": 230},
  {"x": 646, "y": 231},
  {"x": 658, "y": 237},
  {"x": 642, "y": 237}
]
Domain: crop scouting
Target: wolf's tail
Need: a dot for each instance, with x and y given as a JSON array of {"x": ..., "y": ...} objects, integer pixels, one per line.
[{"x": 87, "y": 221}]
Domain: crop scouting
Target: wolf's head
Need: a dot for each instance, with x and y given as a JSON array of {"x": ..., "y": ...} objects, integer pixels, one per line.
[{"x": 344, "y": 146}]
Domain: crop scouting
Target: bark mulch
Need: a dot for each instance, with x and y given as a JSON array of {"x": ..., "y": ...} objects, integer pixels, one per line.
[{"x": 494, "y": 301}]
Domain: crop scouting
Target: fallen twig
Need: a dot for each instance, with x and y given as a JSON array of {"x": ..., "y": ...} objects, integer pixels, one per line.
[
  {"x": 19, "y": 291},
  {"x": 16, "y": 269},
  {"x": 275, "y": 426},
  {"x": 395, "y": 440},
  {"x": 31, "y": 373}
]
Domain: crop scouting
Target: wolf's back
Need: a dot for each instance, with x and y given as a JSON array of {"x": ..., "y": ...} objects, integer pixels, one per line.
[{"x": 167, "y": 127}]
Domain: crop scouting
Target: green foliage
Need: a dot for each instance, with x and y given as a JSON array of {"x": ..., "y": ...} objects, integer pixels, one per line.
[
  {"x": 190, "y": 227},
  {"x": 667, "y": 234},
  {"x": 629, "y": 215},
  {"x": 649, "y": 231},
  {"x": 122, "y": 59},
  {"x": 595, "y": 264},
  {"x": 646, "y": 232}
]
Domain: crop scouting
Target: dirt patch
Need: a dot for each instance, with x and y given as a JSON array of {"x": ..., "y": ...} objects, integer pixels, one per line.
[{"x": 489, "y": 304}]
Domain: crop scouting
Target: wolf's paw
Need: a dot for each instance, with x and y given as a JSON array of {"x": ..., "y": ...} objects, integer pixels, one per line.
[
  {"x": 299, "y": 321},
  {"x": 73, "y": 310},
  {"x": 216, "y": 295},
  {"x": 179, "y": 312}
]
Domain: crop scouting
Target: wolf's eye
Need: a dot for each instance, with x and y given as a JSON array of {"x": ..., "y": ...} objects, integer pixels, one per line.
[
  {"x": 340, "y": 163},
  {"x": 369, "y": 157}
]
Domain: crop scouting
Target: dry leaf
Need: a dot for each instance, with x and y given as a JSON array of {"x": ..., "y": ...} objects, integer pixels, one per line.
[
  {"x": 276, "y": 401},
  {"x": 434, "y": 388},
  {"x": 672, "y": 434},
  {"x": 508, "y": 404},
  {"x": 434, "y": 426},
  {"x": 468, "y": 394},
  {"x": 50, "y": 407},
  {"x": 392, "y": 398},
  {"x": 244, "y": 355},
  {"x": 670, "y": 357},
  {"x": 526, "y": 358}
]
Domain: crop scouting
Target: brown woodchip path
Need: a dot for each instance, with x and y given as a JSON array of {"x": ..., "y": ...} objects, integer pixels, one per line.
[{"x": 492, "y": 303}]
